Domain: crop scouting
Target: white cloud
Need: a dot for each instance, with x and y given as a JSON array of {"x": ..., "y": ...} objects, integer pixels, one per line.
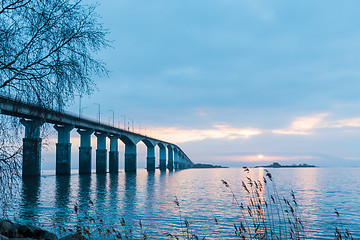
[
  {"x": 307, "y": 125},
  {"x": 303, "y": 125},
  {"x": 268, "y": 158},
  {"x": 179, "y": 135},
  {"x": 350, "y": 122}
]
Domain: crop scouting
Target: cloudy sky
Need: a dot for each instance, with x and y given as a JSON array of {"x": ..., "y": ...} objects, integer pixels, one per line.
[{"x": 228, "y": 80}]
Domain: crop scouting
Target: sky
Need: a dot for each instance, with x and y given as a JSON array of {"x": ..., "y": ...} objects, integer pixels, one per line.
[{"x": 231, "y": 80}]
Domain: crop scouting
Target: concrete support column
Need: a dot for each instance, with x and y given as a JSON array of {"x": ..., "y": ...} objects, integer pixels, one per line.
[
  {"x": 183, "y": 163},
  {"x": 162, "y": 158},
  {"x": 114, "y": 154},
  {"x": 63, "y": 150},
  {"x": 150, "y": 158},
  {"x": 31, "y": 148},
  {"x": 85, "y": 151},
  {"x": 176, "y": 160},
  {"x": 101, "y": 152},
  {"x": 130, "y": 157},
  {"x": 170, "y": 165},
  {"x": 179, "y": 160}
]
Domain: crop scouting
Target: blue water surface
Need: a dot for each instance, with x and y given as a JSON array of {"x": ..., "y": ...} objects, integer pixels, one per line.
[{"x": 49, "y": 201}]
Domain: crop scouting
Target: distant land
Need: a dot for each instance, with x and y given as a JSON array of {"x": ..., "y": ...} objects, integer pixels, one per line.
[
  {"x": 202, "y": 165},
  {"x": 278, "y": 165}
]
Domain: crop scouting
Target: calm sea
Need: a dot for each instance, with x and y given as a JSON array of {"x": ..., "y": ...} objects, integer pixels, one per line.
[{"x": 202, "y": 196}]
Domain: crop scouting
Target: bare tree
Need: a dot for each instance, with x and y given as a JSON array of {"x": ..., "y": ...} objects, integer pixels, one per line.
[
  {"x": 46, "y": 50},
  {"x": 10, "y": 162}
]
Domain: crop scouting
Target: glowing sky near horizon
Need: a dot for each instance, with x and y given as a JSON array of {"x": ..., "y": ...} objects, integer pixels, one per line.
[{"x": 229, "y": 80}]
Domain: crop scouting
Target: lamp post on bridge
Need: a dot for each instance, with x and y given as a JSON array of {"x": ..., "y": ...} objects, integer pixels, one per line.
[
  {"x": 80, "y": 97},
  {"x": 99, "y": 111},
  {"x": 124, "y": 121},
  {"x": 132, "y": 121},
  {"x": 81, "y": 111},
  {"x": 113, "y": 117}
]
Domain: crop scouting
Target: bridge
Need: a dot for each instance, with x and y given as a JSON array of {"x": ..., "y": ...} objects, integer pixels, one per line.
[{"x": 33, "y": 117}]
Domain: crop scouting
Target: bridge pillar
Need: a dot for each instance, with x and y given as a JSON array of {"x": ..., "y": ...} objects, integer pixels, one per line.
[
  {"x": 162, "y": 158},
  {"x": 182, "y": 164},
  {"x": 179, "y": 160},
  {"x": 63, "y": 150},
  {"x": 101, "y": 152},
  {"x": 130, "y": 157},
  {"x": 31, "y": 148},
  {"x": 150, "y": 158},
  {"x": 170, "y": 165},
  {"x": 85, "y": 151},
  {"x": 114, "y": 154},
  {"x": 176, "y": 160}
]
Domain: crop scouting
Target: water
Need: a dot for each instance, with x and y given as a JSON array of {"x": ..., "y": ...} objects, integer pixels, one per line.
[{"x": 201, "y": 194}]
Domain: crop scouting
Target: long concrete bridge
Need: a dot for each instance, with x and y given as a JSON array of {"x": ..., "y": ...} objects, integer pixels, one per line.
[{"x": 34, "y": 116}]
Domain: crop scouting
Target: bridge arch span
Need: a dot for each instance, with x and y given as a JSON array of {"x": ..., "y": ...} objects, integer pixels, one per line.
[
  {"x": 148, "y": 142},
  {"x": 126, "y": 139}
]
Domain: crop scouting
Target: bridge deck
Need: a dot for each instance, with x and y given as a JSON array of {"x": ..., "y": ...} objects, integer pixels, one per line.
[{"x": 19, "y": 109}]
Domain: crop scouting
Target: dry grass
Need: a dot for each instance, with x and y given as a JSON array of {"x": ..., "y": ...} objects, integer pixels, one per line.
[{"x": 265, "y": 214}]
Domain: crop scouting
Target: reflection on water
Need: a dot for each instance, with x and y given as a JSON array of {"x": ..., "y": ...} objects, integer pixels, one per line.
[
  {"x": 84, "y": 191},
  {"x": 62, "y": 191},
  {"x": 62, "y": 198},
  {"x": 30, "y": 198},
  {"x": 150, "y": 197},
  {"x": 130, "y": 192},
  {"x": 150, "y": 190},
  {"x": 101, "y": 182},
  {"x": 114, "y": 190}
]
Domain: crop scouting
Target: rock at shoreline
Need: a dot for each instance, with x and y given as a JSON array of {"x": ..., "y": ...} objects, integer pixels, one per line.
[
  {"x": 74, "y": 236},
  {"x": 8, "y": 229},
  {"x": 12, "y": 230},
  {"x": 2, "y": 237}
]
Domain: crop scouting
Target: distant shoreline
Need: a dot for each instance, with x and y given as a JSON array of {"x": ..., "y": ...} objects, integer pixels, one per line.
[
  {"x": 278, "y": 165},
  {"x": 201, "y": 165}
]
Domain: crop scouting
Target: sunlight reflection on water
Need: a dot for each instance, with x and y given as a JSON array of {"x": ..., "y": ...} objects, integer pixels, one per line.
[{"x": 149, "y": 197}]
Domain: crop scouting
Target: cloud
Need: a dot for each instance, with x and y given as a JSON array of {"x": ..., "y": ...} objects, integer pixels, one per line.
[
  {"x": 303, "y": 125},
  {"x": 268, "y": 158},
  {"x": 350, "y": 122},
  {"x": 179, "y": 135},
  {"x": 307, "y": 125}
]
